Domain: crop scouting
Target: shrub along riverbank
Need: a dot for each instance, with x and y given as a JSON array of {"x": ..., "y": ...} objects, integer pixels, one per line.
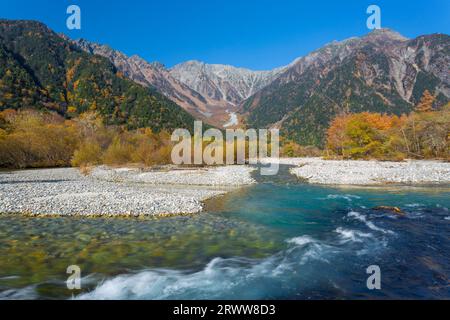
[
  {"x": 423, "y": 134},
  {"x": 32, "y": 139}
]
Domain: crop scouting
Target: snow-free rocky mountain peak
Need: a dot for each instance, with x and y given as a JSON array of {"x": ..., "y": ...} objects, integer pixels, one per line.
[
  {"x": 209, "y": 92},
  {"x": 381, "y": 72},
  {"x": 223, "y": 82}
]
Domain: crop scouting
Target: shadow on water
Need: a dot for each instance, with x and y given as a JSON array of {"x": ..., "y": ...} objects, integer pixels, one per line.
[{"x": 283, "y": 176}]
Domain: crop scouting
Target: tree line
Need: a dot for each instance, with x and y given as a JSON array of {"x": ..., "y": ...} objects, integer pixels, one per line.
[
  {"x": 31, "y": 138},
  {"x": 423, "y": 134},
  {"x": 37, "y": 138}
]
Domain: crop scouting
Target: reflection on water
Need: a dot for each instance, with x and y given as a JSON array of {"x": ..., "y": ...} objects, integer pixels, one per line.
[{"x": 278, "y": 239}]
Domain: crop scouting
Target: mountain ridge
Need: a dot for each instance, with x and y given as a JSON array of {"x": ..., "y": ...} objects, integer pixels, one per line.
[
  {"x": 155, "y": 74},
  {"x": 40, "y": 69},
  {"x": 233, "y": 84},
  {"x": 379, "y": 72}
]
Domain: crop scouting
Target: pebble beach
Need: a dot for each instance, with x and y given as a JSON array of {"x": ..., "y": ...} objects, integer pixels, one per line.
[
  {"x": 116, "y": 191},
  {"x": 353, "y": 172},
  {"x": 172, "y": 190}
]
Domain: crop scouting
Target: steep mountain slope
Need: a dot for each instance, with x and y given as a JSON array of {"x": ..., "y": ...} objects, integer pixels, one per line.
[
  {"x": 209, "y": 92},
  {"x": 223, "y": 82},
  {"x": 40, "y": 69},
  {"x": 381, "y": 72},
  {"x": 157, "y": 76}
]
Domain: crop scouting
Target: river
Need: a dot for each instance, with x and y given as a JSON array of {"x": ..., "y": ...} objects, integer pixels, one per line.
[{"x": 279, "y": 239}]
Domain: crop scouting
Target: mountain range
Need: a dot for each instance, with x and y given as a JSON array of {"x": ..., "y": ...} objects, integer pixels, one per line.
[
  {"x": 380, "y": 72},
  {"x": 41, "y": 69},
  {"x": 208, "y": 91}
]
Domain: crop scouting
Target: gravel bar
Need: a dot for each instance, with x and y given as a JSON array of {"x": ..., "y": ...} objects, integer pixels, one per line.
[
  {"x": 111, "y": 192},
  {"x": 352, "y": 172}
]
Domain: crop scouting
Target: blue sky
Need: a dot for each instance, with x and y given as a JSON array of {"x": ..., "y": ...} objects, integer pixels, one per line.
[{"x": 257, "y": 34}]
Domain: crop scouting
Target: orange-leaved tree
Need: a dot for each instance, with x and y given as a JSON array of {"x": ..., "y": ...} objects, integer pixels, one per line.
[
  {"x": 365, "y": 135},
  {"x": 426, "y": 102}
]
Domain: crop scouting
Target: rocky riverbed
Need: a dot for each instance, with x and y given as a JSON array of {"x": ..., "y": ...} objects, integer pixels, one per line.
[
  {"x": 173, "y": 191},
  {"x": 351, "y": 172},
  {"x": 110, "y": 192},
  {"x": 228, "y": 176}
]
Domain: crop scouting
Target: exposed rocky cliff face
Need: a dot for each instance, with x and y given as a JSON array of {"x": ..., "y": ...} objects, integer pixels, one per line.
[
  {"x": 156, "y": 75},
  {"x": 380, "y": 72},
  {"x": 41, "y": 69},
  {"x": 223, "y": 82},
  {"x": 206, "y": 91}
]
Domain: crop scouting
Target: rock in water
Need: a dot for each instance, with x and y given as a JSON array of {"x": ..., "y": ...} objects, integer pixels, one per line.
[{"x": 395, "y": 210}]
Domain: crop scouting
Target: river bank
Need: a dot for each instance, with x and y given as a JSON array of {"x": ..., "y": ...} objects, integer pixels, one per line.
[
  {"x": 172, "y": 190},
  {"x": 276, "y": 239},
  {"x": 359, "y": 172},
  {"x": 116, "y": 191}
]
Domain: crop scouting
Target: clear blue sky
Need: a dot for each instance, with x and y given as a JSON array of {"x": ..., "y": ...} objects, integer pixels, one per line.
[{"x": 257, "y": 34}]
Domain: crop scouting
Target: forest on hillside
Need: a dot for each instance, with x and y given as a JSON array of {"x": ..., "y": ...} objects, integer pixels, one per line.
[
  {"x": 41, "y": 70},
  {"x": 32, "y": 138}
]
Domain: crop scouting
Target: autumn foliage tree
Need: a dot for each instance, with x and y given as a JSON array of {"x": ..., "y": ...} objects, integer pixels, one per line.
[
  {"x": 290, "y": 149},
  {"x": 420, "y": 135},
  {"x": 427, "y": 134},
  {"x": 33, "y": 139},
  {"x": 30, "y": 138},
  {"x": 364, "y": 135},
  {"x": 426, "y": 102}
]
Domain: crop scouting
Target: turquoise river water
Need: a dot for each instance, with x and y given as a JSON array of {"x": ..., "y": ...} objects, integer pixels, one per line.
[{"x": 279, "y": 239}]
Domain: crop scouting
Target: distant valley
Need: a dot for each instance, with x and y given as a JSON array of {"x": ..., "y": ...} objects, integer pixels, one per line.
[{"x": 207, "y": 91}]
